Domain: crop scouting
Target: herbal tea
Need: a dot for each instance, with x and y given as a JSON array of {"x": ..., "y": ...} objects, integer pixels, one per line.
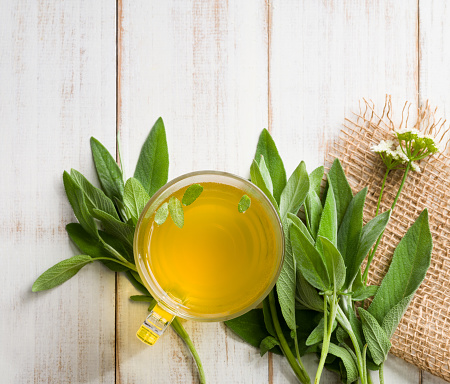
[{"x": 221, "y": 260}]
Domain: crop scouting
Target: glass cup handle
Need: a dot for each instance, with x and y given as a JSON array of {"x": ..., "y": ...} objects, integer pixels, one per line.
[{"x": 154, "y": 325}]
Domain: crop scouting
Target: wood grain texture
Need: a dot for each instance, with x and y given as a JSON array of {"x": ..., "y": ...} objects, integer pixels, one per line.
[
  {"x": 324, "y": 57},
  {"x": 57, "y": 75},
  {"x": 202, "y": 66}
]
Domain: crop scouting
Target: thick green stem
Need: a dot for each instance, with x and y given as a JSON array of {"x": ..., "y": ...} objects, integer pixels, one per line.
[
  {"x": 124, "y": 263},
  {"x": 381, "y": 373},
  {"x": 372, "y": 254},
  {"x": 178, "y": 328},
  {"x": 344, "y": 323},
  {"x": 369, "y": 379},
  {"x": 327, "y": 331},
  {"x": 381, "y": 191},
  {"x": 299, "y": 370}
]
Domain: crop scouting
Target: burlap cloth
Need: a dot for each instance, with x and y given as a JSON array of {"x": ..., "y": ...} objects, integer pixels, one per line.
[{"x": 423, "y": 336}]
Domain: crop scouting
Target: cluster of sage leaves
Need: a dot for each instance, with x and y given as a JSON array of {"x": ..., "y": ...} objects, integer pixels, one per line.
[
  {"x": 317, "y": 305},
  {"x": 107, "y": 217}
]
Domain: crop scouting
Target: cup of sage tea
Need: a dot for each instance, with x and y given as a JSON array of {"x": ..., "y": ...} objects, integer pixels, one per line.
[{"x": 208, "y": 246}]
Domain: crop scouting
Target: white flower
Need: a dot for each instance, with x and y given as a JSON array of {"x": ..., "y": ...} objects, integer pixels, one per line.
[
  {"x": 415, "y": 167},
  {"x": 398, "y": 154},
  {"x": 383, "y": 147}
]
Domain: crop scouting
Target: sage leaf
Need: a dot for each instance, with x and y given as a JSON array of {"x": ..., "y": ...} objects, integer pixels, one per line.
[
  {"x": 267, "y": 344},
  {"x": 407, "y": 270},
  {"x": 176, "y": 211},
  {"x": 307, "y": 294},
  {"x": 268, "y": 317},
  {"x": 258, "y": 180},
  {"x": 377, "y": 340},
  {"x": 250, "y": 327},
  {"x": 244, "y": 204},
  {"x": 60, "y": 272},
  {"x": 395, "y": 314},
  {"x": 162, "y": 213},
  {"x": 341, "y": 334},
  {"x": 152, "y": 168},
  {"x": 295, "y": 192},
  {"x": 294, "y": 219},
  {"x": 122, "y": 247},
  {"x": 94, "y": 197},
  {"x": 267, "y": 148},
  {"x": 266, "y": 175},
  {"x": 364, "y": 293},
  {"x": 356, "y": 327},
  {"x": 313, "y": 210},
  {"x": 136, "y": 284},
  {"x": 91, "y": 246},
  {"x": 108, "y": 172},
  {"x": 123, "y": 231},
  {"x": 369, "y": 235},
  {"x": 286, "y": 283},
  {"x": 348, "y": 359},
  {"x": 191, "y": 194},
  {"x": 350, "y": 229},
  {"x": 135, "y": 198},
  {"x": 76, "y": 199},
  {"x": 334, "y": 262},
  {"x": 142, "y": 298},
  {"x": 316, "y": 335},
  {"x": 328, "y": 221},
  {"x": 315, "y": 180},
  {"x": 309, "y": 260},
  {"x": 341, "y": 189}
]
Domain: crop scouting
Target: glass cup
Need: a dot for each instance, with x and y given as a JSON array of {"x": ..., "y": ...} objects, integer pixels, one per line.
[{"x": 270, "y": 246}]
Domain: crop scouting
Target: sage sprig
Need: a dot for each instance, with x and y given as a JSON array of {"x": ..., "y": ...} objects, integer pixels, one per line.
[
  {"x": 321, "y": 277},
  {"x": 107, "y": 218}
]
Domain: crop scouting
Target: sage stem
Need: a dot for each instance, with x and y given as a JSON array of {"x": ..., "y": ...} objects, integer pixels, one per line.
[
  {"x": 179, "y": 329},
  {"x": 372, "y": 254},
  {"x": 299, "y": 370},
  {"x": 381, "y": 373},
  {"x": 381, "y": 191}
]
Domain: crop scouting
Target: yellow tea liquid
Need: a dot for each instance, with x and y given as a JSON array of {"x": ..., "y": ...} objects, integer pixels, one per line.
[{"x": 221, "y": 260}]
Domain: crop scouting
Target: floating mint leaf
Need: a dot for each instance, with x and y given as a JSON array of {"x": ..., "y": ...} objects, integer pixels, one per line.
[
  {"x": 176, "y": 211},
  {"x": 192, "y": 193},
  {"x": 244, "y": 204},
  {"x": 162, "y": 213}
]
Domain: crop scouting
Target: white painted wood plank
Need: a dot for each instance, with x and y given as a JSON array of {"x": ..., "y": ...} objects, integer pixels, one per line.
[
  {"x": 324, "y": 57},
  {"x": 57, "y": 76},
  {"x": 202, "y": 66},
  {"x": 434, "y": 83}
]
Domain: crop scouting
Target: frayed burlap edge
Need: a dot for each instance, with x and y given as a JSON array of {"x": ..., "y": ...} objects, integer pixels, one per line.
[{"x": 423, "y": 336}]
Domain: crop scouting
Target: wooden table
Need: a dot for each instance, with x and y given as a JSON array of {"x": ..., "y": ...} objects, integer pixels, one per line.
[{"x": 218, "y": 72}]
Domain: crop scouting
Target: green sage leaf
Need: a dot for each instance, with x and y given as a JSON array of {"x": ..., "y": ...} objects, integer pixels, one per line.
[
  {"x": 108, "y": 171},
  {"x": 266, "y": 175},
  {"x": 369, "y": 235},
  {"x": 350, "y": 229},
  {"x": 77, "y": 201},
  {"x": 395, "y": 314},
  {"x": 309, "y": 260},
  {"x": 316, "y": 335},
  {"x": 60, "y": 272},
  {"x": 377, "y": 340},
  {"x": 307, "y": 294},
  {"x": 135, "y": 198},
  {"x": 268, "y": 317},
  {"x": 191, "y": 194},
  {"x": 152, "y": 168},
  {"x": 162, "y": 213},
  {"x": 313, "y": 210},
  {"x": 315, "y": 180},
  {"x": 142, "y": 298},
  {"x": 123, "y": 231},
  {"x": 334, "y": 262},
  {"x": 294, "y": 219},
  {"x": 295, "y": 192},
  {"x": 244, "y": 204},
  {"x": 94, "y": 197},
  {"x": 364, "y": 293},
  {"x": 267, "y": 344},
  {"x": 258, "y": 180},
  {"x": 267, "y": 148},
  {"x": 136, "y": 284},
  {"x": 328, "y": 221},
  {"x": 348, "y": 359},
  {"x": 176, "y": 211},
  {"x": 409, "y": 265},
  {"x": 341, "y": 189}
]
